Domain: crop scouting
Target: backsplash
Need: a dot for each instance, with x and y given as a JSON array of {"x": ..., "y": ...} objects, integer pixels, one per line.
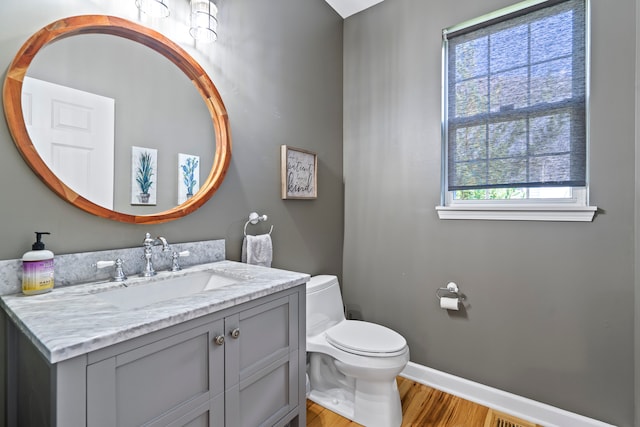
[{"x": 73, "y": 269}]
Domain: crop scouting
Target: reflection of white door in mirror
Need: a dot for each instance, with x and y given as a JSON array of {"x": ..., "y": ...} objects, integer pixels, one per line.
[{"x": 73, "y": 131}]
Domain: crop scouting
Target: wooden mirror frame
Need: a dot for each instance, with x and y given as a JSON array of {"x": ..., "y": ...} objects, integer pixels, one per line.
[{"x": 102, "y": 24}]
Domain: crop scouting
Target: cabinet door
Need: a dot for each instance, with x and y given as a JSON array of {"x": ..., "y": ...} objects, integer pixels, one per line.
[
  {"x": 172, "y": 381},
  {"x": 208, "y": 415},
  {"x": 262, "y": 363}
]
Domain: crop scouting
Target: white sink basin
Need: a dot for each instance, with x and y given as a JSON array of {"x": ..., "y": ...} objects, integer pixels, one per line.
[{"x": 142, "y": 294}]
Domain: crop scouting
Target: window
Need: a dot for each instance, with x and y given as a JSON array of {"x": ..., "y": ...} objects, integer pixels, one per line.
[{"x": 515, "y": 114}]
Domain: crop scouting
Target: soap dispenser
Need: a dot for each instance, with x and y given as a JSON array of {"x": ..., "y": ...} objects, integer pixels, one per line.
[{"x": 37, "y": 268}]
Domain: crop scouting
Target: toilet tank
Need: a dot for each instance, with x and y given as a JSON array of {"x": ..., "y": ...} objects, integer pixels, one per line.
[{"x": 324, "y": 304}]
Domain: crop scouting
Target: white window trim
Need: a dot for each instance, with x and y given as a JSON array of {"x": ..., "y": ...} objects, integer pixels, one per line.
[
  {"x": 518, "y": 213},
  {"x": 575, "y": 209}
]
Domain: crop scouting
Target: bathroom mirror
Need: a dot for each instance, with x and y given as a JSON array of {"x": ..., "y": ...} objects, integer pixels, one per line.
[{"x": 200, "y": 133}]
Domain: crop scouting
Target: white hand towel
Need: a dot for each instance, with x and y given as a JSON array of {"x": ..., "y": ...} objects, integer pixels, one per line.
[{"x": 257, "y": 250}]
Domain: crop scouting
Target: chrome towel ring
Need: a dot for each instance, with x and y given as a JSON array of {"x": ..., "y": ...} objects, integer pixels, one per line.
[{"x": 254, "y": 218}]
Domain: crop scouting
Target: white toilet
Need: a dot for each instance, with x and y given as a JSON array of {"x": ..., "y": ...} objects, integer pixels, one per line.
[{"x": 352, "y": 364}]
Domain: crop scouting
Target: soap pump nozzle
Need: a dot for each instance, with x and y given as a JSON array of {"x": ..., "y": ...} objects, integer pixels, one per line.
[{"x": 39, "y": 245}]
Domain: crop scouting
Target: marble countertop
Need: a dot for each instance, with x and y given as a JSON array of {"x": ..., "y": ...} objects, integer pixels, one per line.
[{"x": 74, "y": 320}]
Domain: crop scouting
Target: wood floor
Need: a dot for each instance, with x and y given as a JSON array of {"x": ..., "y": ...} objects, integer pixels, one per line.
[{"x": 421, "y": 406}]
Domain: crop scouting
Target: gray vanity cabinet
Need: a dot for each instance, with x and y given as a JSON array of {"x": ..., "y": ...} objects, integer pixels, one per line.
[{"x": 240, "y": 367}]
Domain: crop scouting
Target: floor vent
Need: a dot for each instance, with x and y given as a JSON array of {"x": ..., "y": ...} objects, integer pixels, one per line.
[{"x": 499, "y": 419}]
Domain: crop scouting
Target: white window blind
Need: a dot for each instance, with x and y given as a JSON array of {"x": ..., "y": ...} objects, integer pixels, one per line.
[{"x": 515, "y": 111}]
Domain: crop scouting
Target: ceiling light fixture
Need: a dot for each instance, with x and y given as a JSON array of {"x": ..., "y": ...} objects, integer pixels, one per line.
[
  {"x": 154, "y": 8},
  {"x": 204, "y": 21}
]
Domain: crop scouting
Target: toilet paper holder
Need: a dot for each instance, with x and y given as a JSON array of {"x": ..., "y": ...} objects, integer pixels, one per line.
[{"x": 450, "y": 291}]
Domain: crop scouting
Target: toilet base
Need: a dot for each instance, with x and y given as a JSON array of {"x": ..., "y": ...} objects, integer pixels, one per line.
[
  {"x": 363, "y": 390},
  {"x": 336, "y": 399},
  {"x": 377, "y": 404},
  {"x": 381, "y": 410}
]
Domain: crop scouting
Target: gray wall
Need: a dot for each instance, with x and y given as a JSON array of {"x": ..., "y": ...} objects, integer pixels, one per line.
[
  {"x": 550, "y": 311},
  {"x": 281, "y": 81},
  {"x": 637, "y": 221}
]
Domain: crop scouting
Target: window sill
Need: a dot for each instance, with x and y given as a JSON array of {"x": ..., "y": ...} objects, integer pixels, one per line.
[{"x": 518, "y": 213}]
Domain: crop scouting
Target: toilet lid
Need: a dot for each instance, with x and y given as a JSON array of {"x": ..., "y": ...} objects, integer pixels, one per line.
[{"x": 366, "y": 338}]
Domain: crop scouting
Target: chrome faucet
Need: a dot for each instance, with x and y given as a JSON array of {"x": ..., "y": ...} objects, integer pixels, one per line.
[{"x": 148, "y": 245}]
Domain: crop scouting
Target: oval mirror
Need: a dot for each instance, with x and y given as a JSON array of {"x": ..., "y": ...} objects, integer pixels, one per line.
[{"x": 142, "y": 172}]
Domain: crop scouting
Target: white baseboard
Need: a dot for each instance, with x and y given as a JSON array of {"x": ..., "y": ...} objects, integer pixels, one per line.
[{"x": 526, "y": 409}]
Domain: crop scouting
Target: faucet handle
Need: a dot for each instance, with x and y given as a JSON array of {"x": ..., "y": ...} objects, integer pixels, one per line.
[
  {"x": 103, "y": 264},
  {"x": 174, "y": 256},
  {"x": 148, "y": 240},
  {"x": 119, "y": 275}
]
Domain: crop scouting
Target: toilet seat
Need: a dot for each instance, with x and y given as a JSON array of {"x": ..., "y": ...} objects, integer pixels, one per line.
[{"x": 366, "y": 339}]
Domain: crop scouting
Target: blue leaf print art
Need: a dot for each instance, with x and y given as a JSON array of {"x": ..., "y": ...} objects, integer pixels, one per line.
[
  {"x": 143, "y": 180},
  {"x": 188, "y": 175}
]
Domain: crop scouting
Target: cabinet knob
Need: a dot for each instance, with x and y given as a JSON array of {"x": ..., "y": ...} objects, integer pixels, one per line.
[
  {"x": 219, "y": 340},
  {"x": 235, "y": 333}
]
